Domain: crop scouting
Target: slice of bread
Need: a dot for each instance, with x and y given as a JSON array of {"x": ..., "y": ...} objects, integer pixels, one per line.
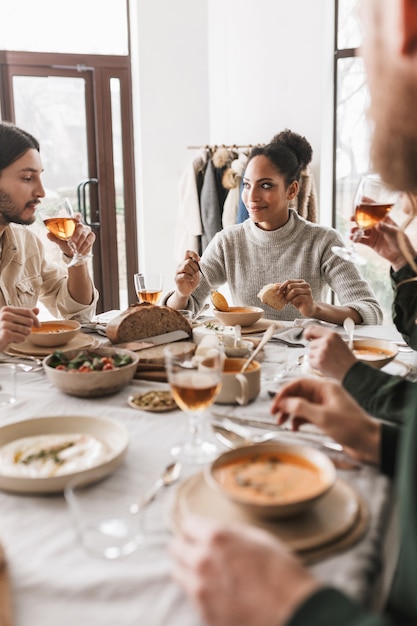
[
  {"x": 144, "y": 320},
  {"x": 268, "y": 295}
]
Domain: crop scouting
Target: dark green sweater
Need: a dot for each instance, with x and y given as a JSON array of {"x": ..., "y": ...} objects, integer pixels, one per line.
[
  {"x": 379, "y": 393},
  {"x": 394, "y": 399},
  {"x": 329, "y": 606}
]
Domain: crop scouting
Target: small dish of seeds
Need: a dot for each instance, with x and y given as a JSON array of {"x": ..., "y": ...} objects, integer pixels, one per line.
[{"x": 155, "y": 400}]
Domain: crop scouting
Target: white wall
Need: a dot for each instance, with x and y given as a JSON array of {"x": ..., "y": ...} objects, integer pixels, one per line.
[{"x": 223, "y": 71}]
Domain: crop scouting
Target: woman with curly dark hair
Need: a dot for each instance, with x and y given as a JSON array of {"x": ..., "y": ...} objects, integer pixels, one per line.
[{"x": 277, "y": 246}]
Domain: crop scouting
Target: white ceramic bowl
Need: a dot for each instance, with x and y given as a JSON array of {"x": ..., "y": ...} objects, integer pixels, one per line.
[
  {"x": 54, "y": 333},
  {"x": 375, "y": 352},
  {"x": 246, "y": 487},
  {"x": 112, "y": 433},
  {"x": 242, "y": 315},
  {"x": 96, "y": 383}
]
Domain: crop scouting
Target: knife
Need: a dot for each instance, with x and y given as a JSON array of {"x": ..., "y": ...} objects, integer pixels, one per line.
[
  {"x": 243, "y": 421},
  {"x": 298, "y": 434},
  {"x": 157, "y": 340}
]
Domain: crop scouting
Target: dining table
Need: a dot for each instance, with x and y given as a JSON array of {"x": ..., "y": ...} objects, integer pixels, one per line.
[{"x": 54, "y": 581}]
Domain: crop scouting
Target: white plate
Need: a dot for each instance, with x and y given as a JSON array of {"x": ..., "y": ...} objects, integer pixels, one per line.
[
  {"x": 112, "y": 433},
  {"x": 397, "y": 368}
]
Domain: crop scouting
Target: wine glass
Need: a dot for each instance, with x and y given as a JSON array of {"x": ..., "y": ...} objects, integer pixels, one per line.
[
  {"x": 194, "y": 385},
  {"x": 372, "y": 202},
  {"x": 149, "y": 287},
  {"x": 58, "y": 216}
]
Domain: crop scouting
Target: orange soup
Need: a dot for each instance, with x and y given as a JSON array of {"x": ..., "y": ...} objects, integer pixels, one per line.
[
  {"x": 51, "y": 327},
  {"x": 369, "y": 353},
  {"x": 233, "y": 366},
  {"x": 270, "y": 478},
  {"x": 240, "y": 309}
]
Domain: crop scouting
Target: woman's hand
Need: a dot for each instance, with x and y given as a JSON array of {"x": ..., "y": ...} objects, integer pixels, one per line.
[
  {"x": 240, "y": 576},
  {"x": 327, "y": 352},
  {"x": 187, "y": 275},
  {"x": 298, "y": 293},
  {"x": 16, "y": 324},
  {"x": 331, "y": 408}
]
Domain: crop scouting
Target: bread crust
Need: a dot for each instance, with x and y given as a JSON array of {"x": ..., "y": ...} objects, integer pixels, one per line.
[
  {"x": 144, "y": 320},
  {"x": 268, "y": 295}
]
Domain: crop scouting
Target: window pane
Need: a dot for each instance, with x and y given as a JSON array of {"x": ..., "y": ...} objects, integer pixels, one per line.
[
  {"x": 79, "y": 26},
  {"x": 349, "y": 33},
  {"x": 352, "y": 160},
  {"x": 52, "y": 108}
]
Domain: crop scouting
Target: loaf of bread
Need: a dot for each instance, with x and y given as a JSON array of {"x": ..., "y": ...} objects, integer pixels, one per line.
[
  {"x": 268, "y": 295},
  {"x": 144, "y": 320}
]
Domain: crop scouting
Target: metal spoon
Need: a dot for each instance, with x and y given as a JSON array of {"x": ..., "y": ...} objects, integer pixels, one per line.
[
  {"x": 349, "y": 326},
  {"x": 266, "y": 337},
  {"x": 232, "y": 439},
  {"x": 170, "y": 474}
]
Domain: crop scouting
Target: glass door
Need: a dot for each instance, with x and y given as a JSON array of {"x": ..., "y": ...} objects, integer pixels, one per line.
[{"x": 81, "y": 114}]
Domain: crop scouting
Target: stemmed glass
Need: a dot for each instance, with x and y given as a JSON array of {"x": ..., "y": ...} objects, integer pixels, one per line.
[
  {"x": 58, "y": 216},
  {"x": 194, "y": 385},
  {"x": 372, "y": 202}
]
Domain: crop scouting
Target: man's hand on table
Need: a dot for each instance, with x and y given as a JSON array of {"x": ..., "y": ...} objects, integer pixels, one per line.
[
  {"x": 334, "y": 411},
  {"x": 240, "y": 576},
  {"x": 16, "y": 324}
]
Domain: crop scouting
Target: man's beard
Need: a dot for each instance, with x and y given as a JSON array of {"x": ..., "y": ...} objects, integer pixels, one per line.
[
  {"x": 394, "y": 141},
  {"x": 10, "y": 212}
]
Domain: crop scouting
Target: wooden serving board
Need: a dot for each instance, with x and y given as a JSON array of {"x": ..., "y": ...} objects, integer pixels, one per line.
[
  {"x": 151, "y": 360},
  {"x": 158, "y": 376}
]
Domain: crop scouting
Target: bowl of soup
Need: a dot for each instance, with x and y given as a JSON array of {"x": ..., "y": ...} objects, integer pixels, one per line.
[
  {"x": 375, "y": 352},
  {"x": 272, "y": 480},
  {"x": 242, "y": 315},
  {"x": 54, "y": 333}
]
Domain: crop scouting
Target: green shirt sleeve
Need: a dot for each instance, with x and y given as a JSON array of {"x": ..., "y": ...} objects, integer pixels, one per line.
[
  {"x": 378, "y": 393},
  {"x": 330, "y": 607},
  {"x": 404, "y": 307}
]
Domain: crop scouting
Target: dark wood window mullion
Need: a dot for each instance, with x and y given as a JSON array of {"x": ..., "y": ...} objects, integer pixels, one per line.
[{"x": 106, "y": 201}]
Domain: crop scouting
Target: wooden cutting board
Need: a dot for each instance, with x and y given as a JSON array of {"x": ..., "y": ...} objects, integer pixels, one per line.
[
  {"x": 158, "y": 376},
  {"x": 151, "y": 360}
]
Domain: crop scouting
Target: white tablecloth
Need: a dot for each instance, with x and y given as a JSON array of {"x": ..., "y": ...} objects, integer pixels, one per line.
[{"x": 55, "y": 582}]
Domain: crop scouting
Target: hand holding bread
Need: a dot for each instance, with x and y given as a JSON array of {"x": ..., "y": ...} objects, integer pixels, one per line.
[{"x": 269, "y": 295}]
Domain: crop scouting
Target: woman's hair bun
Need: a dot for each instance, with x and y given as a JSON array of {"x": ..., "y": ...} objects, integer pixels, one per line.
[{"x": 296, "y": 143}]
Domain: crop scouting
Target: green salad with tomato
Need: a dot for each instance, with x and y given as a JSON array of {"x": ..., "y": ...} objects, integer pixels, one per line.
[{"x": 88, "y": 361}]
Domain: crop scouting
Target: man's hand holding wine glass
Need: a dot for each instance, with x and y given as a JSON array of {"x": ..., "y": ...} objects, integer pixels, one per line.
[
  {"x": 372, "y": 202},
  {"x": 383, "y": 238},
  {"x": 66, "y": 229}
]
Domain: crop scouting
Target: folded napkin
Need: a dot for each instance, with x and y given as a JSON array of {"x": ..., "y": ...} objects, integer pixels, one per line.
[
  {"x": 94, "y": 327},
  {"x": 292, "y": 337}
]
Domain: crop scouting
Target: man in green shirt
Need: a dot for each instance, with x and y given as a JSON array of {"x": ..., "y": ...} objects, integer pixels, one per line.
[{"x": 243, "y": 576}]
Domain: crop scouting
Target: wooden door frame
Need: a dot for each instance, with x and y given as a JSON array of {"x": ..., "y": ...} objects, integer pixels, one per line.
[{"x": 100, "y": 144}]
